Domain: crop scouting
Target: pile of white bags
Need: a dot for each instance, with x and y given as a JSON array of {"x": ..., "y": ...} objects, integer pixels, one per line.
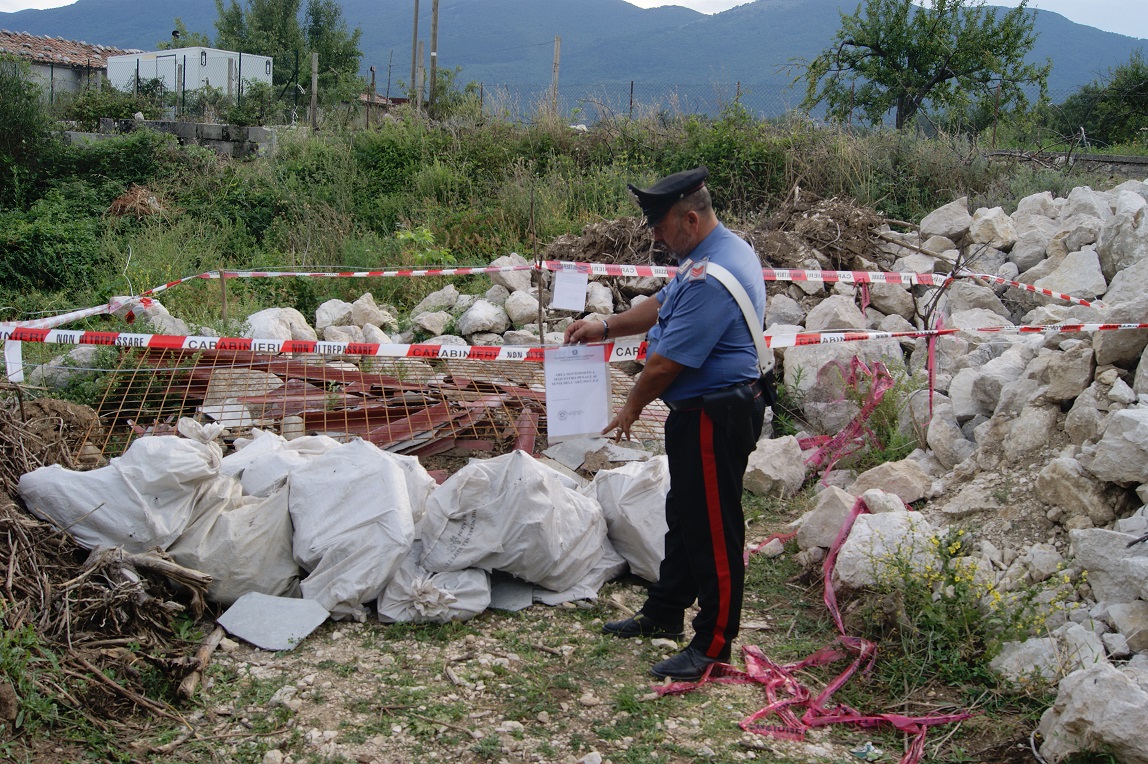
[
  {"x": 263, "y": 461},
  {"x": 512, "y": 513},
  {"x": 337, "y": 523},
  {"x": 141, "y": 500},
  {"x": 417, "y": 595},
  {"x": 354, "y": 523},
  {"x": 633, "y": 500},
  {"x": 242, "y": 542}
]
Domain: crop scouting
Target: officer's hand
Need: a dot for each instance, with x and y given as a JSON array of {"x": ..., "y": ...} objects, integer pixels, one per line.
[
  {"x": 584, "y": 331},
  {"x": 622, "y": 422}
]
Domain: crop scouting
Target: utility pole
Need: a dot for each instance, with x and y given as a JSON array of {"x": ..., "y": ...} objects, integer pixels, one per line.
[
  {"x": 371, "y": 102},
  {"x": 414, "y": 48},
  {"x": 314, "y": 91},
  {"x": 557, "y": 55},
  {"x": 419, "y": 79},
  {"x": 433, "y": 55}
]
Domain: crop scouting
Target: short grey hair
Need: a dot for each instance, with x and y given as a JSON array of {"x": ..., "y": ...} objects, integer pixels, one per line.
[{"x": 699, "y": 201}]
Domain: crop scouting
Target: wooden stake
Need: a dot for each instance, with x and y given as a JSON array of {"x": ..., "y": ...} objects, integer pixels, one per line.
[{"x": 202, "y": 658}]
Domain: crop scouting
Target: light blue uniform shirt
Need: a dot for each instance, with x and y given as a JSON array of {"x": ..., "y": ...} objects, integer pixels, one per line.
[{"x": 700, "y": 324}]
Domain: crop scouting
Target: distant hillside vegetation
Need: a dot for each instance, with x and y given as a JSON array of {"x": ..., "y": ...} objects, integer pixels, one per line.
[{"x": 606, "y": 43}]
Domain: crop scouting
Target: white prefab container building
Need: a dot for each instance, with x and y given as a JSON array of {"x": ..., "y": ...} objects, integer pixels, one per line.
[{"x": 190, "y": 69}]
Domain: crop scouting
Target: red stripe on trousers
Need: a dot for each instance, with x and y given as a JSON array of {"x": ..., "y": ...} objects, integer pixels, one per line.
[{"x": 717, "y": 534}]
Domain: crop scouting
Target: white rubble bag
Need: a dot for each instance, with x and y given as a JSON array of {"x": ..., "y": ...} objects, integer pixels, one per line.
[
  {"x": 263, "y": 461},
  {"x": 354, "y": 525},
  {"x": 242, "y": 542},
  {"x": 633, "y": 500},
  {"x": 417, "y": 595},
  {"x": 514, "y": 514},
  {"x": 141, "y": 500},
  {"x": 609, "y": 566}
]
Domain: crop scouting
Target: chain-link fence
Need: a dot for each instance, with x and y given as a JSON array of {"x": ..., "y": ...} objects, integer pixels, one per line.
[{"x": 594, "y": 101}]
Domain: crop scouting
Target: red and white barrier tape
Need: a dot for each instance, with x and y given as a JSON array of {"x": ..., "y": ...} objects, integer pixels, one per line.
[
  {"x": 619, "y": 351},
  {"x": 114, "y": 304},
  {"x": 769, "y": 274},
  {"x": 1059, "y": 328},
  {"x": 797, "y": 709},
  {"x": 861, "y": 278},
  {"x": 1031, "y": 288}
]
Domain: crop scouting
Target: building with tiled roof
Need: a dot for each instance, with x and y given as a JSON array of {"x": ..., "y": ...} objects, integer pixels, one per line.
[{"x": 60, "y": 65}]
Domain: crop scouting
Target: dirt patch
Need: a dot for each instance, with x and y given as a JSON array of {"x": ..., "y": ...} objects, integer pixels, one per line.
[{"x": 34, "y": 433}]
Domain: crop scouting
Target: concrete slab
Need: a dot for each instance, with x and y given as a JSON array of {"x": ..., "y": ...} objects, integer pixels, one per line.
[{"x": 272, "y": 623}]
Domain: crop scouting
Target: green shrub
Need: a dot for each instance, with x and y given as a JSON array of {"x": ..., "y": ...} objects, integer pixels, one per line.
[
  {"x": 946, "y": 620},
  {"x": 50, "y": 247},
  {"x": 90, "y": 105},
  {"x": 25, "y": 133}
]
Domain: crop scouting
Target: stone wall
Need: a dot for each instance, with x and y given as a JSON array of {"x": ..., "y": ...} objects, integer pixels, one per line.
[{"x": 227, "y": 140}]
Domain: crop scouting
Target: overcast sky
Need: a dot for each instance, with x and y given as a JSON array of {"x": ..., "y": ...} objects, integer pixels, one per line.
[{"x": 1128, "y": 17}]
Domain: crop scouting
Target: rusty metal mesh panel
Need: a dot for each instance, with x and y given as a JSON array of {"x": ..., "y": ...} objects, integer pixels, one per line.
[{"x": 406, "y": 405}]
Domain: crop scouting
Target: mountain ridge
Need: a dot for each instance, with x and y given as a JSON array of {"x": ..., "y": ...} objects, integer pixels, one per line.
[{"x": 604, "y": 42}]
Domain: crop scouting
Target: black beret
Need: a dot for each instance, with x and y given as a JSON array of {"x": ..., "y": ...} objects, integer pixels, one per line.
[{"x": 657, "y": 200}]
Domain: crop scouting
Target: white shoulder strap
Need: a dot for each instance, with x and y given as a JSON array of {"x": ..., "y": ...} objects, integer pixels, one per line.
[{"x": 727, "y": 279}]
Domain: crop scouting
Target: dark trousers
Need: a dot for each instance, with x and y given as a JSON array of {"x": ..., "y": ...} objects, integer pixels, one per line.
[{"x": 708, "y": 449}]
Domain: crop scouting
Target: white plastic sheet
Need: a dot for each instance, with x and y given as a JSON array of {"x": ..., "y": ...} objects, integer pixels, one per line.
[
  {"x": 633, "y": 500},
  {"x": 512, "y": 513},
  {"x": 609, "y": 566},
  {"x": 141, "y": 500}
]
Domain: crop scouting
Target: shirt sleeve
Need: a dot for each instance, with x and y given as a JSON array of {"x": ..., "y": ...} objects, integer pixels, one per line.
[{"x": 701, "y": 316}]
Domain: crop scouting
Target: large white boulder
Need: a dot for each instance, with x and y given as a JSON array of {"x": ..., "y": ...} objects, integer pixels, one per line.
[
  {"x": 482, "y": 316},
  {"x": 522, "y": 308},
  {"x": 776, "y": 467},
  {"x": 836, "y": 312},
  {"x": 904, "y": 478},
  {"x": 514, "y": 281},
  {"x": 278, "y": 324},
  {"x": 443, "y": 299},
  {"x": 1101, "y": 553},
  {"x": 333, "y": 313},
  {"x": 1078, "y": 275},
  {"x": 879, "y": 545},
  {"x": 1123, "y": 241},
  {"x": 1121, "y": 456},
  {"x": 951, "y": 221},
  {"x": 1098, "y": 708},
  {"x": 992, "y": 227}
]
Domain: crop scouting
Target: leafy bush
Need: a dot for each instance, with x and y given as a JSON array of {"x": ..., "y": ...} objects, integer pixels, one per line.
[
  {"x": 25, "y": 133},
  {"x": 50, "y": 247},
  {"x": 90, "y": 105},
  {"x": 947, "y": 620}
]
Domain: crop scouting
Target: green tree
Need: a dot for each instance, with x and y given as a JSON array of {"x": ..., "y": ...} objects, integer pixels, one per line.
[
  {"x": 25, "y": 133},
  {"x": 272, "y": 28},
  {"x": 338, "y": 49},
  {"x": 892, "y": 55},
  {"x": 184, "y": 39},
  {"x": 1111, "y": 110},
  {"x": 265, "y": 28}
]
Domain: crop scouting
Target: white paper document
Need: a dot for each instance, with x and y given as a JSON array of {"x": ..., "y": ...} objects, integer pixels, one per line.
[
  {"x": 569, "y": 290},
  {"x": 577, "y": 391}
]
